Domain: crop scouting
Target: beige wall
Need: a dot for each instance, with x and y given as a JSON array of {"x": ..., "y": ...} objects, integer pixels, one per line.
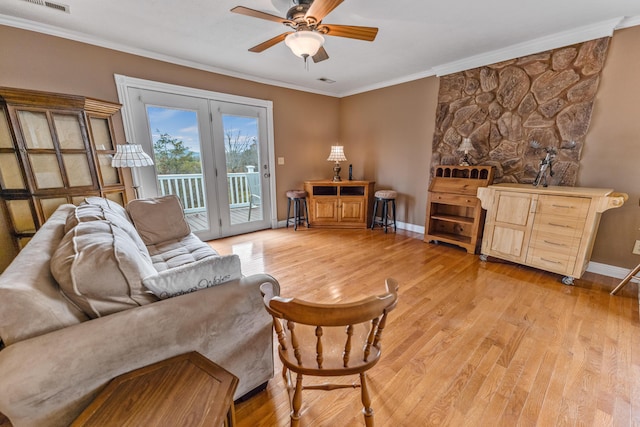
[
  {"x": 387, "y": 133},
  {"x": 611, "y": 155},
  {"x": 387, "y": 137}
]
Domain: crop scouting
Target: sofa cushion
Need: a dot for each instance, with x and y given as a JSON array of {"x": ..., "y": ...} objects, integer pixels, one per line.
[
  {"x": 97, "y": 211},
  {"x": 158, "y": 219},
  {"x": 177, "y": 252},
  {"x": 197, "y": 275},
  {"x": 100, "y": 269}
]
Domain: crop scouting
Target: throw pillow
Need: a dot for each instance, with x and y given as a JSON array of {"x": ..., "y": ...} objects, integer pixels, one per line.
[
  {"x": 158, "y": 219},
  {"x": 100, "y": 269},
  {"x": 201, "y": 274}
]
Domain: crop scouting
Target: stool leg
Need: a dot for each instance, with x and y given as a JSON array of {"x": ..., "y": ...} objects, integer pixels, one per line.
[
  {"x": 393, "y": 205},
  {"x": 306, "y": 211},
  {"x": 375, "y": 210},
  {"x": 288, "y": 211},
  {"x": 385, "y": 213},
  {"x": 296, "y": 213}
]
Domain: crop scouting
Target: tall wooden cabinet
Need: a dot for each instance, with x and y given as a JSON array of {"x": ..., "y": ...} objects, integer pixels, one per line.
[
  {"x": 551, "y": 228},
  {"x": 454, "y": 214},
  {"x": 344, "y": 204},
  {"x": 54, "y": 149}
]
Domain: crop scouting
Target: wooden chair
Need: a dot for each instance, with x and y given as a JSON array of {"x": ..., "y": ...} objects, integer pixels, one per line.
[{"x": 329, "y": 340}]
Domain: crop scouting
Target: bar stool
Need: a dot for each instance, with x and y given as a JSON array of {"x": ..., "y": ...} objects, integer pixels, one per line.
[
  {"x": 298, "y": 197},
  {"x": 385, "y": 197}
]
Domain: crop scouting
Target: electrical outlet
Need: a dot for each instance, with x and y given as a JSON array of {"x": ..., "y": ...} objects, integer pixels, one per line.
[{"x": 636, "y": 248}]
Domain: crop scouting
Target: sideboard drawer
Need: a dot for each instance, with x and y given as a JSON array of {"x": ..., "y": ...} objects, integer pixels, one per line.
[
  {"x": 576, "y": 207},
  {"x": 454, "y": 199},
  {"x": 562, "y": 225}
]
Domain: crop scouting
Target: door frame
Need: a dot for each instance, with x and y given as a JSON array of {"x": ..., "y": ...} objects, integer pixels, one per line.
[{"x": 123, "y": 83}]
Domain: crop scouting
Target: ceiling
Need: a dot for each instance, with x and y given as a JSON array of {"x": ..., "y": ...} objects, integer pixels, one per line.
[{"x": 416, "y": 38}]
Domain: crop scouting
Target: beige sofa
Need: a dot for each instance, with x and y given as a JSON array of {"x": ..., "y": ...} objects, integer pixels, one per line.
[{"x": 65, "y": 339}]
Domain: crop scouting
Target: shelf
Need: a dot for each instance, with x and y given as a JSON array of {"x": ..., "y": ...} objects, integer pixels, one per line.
[
  {"x": 453, "y": 218},
  {"x": 454, "y": 213},
  {"x": 450, "y": 237}
]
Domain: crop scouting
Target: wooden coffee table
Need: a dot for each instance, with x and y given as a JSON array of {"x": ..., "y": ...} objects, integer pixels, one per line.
[{"x": 186, "y": 390}]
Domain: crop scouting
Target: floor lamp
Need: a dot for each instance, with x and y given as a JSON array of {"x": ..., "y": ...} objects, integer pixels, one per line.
[{"x": 131, "y": 156}]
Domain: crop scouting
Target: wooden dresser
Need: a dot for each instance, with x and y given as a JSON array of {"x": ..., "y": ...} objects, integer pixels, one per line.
[
  {"x": 454, "y": 214},
  {"x": 550, "y": 228},
  {"x": 343, "y": 204}
]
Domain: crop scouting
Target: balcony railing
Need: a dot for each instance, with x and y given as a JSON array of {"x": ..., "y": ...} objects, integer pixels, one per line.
[{"x": 190, "y": 189}]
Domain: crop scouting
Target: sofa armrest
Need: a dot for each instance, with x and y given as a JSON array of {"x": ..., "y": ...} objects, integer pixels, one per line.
[{"x": 48, "y": 380}]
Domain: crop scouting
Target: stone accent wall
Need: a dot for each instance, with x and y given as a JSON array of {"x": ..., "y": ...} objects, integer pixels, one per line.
[{"x": 547, "y": 97}]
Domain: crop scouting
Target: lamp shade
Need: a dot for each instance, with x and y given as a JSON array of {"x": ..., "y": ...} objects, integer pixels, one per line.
[
  {"x": 304, "y": 43},
  {"x": 130, "y": 156},
  {"x": 466, "y": 145},
  {"x": 337, "y": 154}
]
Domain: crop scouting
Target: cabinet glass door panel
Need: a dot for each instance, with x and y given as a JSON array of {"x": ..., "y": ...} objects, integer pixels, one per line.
[
  {"x": 21, "y": 216},
  {"x": 35, "y": 129},
  {"x": 68, "y": 131},
  {"x": 101, "y": 134},
  {"x": 5, "y": 135},
  {"x": 109, "y": 175},
  {"x": 10, "y": 173},
  {"x": 78, "y": 172},
  {"x": 46, "y": 170},
  {"x": 49, "y": 206}
]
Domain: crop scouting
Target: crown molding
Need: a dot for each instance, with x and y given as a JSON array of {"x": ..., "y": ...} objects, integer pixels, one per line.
[{"x": 25, "y": 24}]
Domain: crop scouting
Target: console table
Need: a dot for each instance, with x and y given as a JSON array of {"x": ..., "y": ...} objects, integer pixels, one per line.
[
  {"x": 551, "y": 228},
  {"x": 184, "y": 390},
  {"x": 342, "y": 204}
]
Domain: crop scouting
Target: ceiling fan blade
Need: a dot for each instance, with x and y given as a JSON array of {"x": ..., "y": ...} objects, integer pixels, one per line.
[
  {"x": 350, "y": 31},
  {"x": 266, "y": 45},
  {"x": 321, "y": 8},
  {"x": 321, "y": 55},
  {"x": 257, "y": 14}
]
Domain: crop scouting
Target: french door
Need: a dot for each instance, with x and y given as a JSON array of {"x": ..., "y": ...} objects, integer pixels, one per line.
[{"x": 213, "y": 154}]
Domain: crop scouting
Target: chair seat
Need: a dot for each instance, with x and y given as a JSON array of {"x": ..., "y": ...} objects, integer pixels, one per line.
[
  {"x": 386, "y": 194},
  {"x": 296, "y": 194}
]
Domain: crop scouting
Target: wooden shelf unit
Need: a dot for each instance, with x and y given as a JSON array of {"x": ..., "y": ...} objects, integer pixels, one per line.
[
  {"x": 454, "y": 213},
  {"x": 342, "y": 204},
  {"x": 54, "y": 149},
  {"x": 552, "y": 228}
]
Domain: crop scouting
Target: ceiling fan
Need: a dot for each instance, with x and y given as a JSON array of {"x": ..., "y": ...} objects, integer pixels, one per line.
[{"x": 305, "y": 19}]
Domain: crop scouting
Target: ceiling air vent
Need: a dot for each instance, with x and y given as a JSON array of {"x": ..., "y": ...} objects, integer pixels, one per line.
[
  {"x": 51, "y": 5},
  {"x": 326, "y": 80}
]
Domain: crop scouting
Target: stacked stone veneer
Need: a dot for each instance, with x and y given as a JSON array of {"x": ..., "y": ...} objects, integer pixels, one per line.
[{"x": 546, "y": 97}]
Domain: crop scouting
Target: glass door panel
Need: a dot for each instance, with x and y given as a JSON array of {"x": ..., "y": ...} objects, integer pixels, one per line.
[
  {"x": 241, "y": 152},
  {"x": 5, "y": 135},
  {"x": 35, "y": 129},
  {"x": 101, "y": 133},
  {"x": 77, "y": 167},
  {"x": 46, "y": 170},
  {"x": 68, "y": 131},
  {"x": 21, "y": 216},
  {"x": 10, "y": 173}
]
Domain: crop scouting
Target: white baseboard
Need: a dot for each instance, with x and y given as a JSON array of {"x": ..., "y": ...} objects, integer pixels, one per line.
[{"x": 610, "y": 271}]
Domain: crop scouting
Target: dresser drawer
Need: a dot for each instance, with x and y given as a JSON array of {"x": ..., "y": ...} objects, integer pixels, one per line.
[
  {"x": 454, "y": 199},
  {"x": 556, "y": 243},
  {"x": 560, "y": 225},
  {"x": 551, "y": 261},
  {"x": 575, "y": 207}
]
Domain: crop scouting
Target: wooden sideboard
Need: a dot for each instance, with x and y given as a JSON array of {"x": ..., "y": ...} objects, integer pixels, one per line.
[
  {"x": 551, "y": 228},
  {"x": 342, "y": 204},
  {"x": 454, "y": 214}
]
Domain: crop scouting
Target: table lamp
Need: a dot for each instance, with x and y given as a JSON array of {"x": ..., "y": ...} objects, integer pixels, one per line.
[
  {"x": 465, "y": 146},
  {"x": 337, "y": 155}
]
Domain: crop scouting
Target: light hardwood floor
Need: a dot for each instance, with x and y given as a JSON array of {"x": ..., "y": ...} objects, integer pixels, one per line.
[{"x": 470, "y": 343}]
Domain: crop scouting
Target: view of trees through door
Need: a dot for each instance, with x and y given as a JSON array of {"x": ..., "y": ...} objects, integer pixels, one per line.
[{"x": 176, "y": 147}]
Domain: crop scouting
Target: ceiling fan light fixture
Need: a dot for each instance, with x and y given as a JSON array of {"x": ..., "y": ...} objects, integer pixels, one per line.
[{"x": 304, "y": 43}]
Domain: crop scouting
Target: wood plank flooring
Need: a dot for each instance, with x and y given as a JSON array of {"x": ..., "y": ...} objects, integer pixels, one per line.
[{"x": 470, "y": 343}]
